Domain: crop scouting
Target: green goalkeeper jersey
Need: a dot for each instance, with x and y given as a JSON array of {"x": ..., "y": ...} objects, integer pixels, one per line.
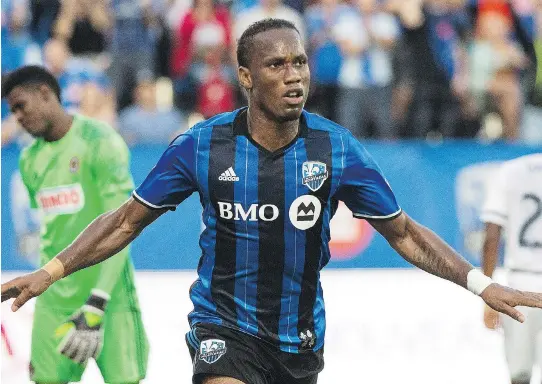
[{"x": 72, "y": 181}]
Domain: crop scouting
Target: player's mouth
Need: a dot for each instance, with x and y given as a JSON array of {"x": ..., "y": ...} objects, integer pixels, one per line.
[{"x": 294, "y": 96}]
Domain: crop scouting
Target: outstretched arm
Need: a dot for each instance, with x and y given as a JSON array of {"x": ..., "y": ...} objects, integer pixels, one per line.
[
  {"x": 104, "y": 237},
  {"x": 423, "y": 248},
  {"x": 107, "y": 235}
]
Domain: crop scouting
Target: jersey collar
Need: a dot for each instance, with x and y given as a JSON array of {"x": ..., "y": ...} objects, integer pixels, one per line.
[{"x": 240, "y": 124}]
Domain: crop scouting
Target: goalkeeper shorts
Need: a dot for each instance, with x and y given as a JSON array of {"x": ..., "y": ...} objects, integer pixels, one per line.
[{"x": 123, "y": 358}]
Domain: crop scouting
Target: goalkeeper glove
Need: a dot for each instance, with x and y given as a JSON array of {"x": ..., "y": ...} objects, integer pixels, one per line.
[{"x": 82, "y": 334}]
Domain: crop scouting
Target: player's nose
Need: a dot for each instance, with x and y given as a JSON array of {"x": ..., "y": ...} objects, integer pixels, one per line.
[
  {"x": 292, "y": 74},
  {"x": 18, "y": 116}
]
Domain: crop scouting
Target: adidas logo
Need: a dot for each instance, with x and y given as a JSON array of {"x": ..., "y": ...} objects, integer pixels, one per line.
[{"x": 228, "y": 175}]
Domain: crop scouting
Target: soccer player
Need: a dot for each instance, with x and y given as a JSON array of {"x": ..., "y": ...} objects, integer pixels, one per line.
[
  {"x": 269, "y": 178},
  {"x": 75, "y": 170},
  {"x": 514, "y": 202}
]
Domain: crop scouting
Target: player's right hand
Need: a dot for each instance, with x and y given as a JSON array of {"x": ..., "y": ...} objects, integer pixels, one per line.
[
  {"x": 25, "y": 287},
  {"x": 491, "y": 318}
]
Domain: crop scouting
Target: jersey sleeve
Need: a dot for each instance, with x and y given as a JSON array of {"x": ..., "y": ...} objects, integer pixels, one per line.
[
  {"x": 25, "y": 177},
  {"x": 172, "y": 179},
  {"x": 111, "y": 171},
  {"x": 495, "y": 209},
  {"x": 363, "y": 187}
]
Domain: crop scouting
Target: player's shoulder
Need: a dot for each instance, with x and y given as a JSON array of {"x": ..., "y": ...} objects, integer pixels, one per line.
[
  {"x": 93, "y": 129},
  {"x": 221, "y": 119},
  {"x": 205, "y": 126},
  {"x": 99, "y": 138},
  {"x": 320, "y": 123}
]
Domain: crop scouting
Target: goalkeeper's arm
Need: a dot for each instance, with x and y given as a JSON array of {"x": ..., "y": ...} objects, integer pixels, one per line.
[{"x": 107, "y": 235}]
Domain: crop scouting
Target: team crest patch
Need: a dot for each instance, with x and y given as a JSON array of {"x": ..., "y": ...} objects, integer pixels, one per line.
[
  {"x": 314, "y": 174},
  {"x": 74, "y": 164},
  {"x": 212, "y": 350}
]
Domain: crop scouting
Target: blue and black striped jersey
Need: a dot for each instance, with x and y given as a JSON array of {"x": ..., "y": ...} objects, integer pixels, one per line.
[{"x": 266, "y": 217}]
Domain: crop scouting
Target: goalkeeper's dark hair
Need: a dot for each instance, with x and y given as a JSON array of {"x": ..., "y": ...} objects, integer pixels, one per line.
[
  {"x": 245, "y": 42},
  {"x": 29, "y": 75}
]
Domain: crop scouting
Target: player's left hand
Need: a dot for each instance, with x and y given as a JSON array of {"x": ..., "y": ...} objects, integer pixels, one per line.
[
  {"x": 82, "y": 335},
  {"x": 504, "y": 299}
]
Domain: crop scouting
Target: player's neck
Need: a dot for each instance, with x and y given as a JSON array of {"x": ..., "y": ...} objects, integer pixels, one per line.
[
  {"x": 271, "y": 135},
  {"x": 59, "y": 127}
]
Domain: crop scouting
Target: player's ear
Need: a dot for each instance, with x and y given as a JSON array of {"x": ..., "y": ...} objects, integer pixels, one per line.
[
  {"x": 245, "y": 79},
  {"x": 45, "y": 92}
]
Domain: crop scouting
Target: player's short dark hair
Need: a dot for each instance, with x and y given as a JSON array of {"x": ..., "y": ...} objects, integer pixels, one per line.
[
  {"x": 244, "y": 45},
  {"x": 29, "y": 75}
]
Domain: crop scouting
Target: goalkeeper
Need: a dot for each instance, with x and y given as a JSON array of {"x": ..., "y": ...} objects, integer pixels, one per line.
[{"x": 75, "y": 170}]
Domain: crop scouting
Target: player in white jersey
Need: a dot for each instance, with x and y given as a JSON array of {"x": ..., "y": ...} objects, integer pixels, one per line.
[{"x": 514, "y": 203}]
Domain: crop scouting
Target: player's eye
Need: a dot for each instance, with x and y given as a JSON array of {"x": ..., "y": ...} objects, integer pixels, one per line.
[
  {"x": 17, "y": 107},
  {"x": 275, "y": 64}
]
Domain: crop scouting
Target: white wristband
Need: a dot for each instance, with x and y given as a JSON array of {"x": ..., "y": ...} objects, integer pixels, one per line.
[{"x": 477, "y": 281}]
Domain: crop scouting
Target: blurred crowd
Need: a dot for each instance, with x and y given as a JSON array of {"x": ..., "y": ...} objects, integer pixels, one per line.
[{"x": 384, "y": 69}]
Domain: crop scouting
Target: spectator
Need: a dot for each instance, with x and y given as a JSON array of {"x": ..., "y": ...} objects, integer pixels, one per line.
[
  {"x": 366, "y": 36},
  {"x": 132, "y": 46},
  {"x": 71, "y": 75},
  {"x": 43, "y": 13},
  {"x": 215, "y": 94},
  {"x": 98, "y": 103},
  {"x": 265, "y": 9},
  {"x": 531, "y": 131},
  {"x": 518, "y": 31},
  {"x": 18, "y": 47},
  {"x": 298, "y": 5},
  {"x": 143, "y": 122},
  {"x": 494, "y": 71},
  {"x": 163, "y": 44},
  {"x": 403, "y": 85},
  {"x": 83, "y": 25},
  {"x": 325, "y": 55},
  {"x": 435, "y": 32},
  {"x": 174, "y": 12},
  {"x": 239, "y": 6},
  {"x": 203, "y": 46}
]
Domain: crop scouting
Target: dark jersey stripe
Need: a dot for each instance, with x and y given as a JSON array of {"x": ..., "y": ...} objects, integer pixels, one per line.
[
  {"x": 200, "y": 291},
  {"x": 318, "y": 148},
  {"x": 295, "y": 249},
  {"x": 246, "y": 193},
  {"x": 222, "y": 151},
  {"x": 271, "y": 246}
]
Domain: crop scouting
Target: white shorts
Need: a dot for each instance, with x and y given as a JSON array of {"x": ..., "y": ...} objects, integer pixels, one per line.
[{"x": 523, "y": 342}]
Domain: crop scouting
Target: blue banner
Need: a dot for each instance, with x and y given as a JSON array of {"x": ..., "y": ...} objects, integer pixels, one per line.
[{"x": 439, "y": 185}]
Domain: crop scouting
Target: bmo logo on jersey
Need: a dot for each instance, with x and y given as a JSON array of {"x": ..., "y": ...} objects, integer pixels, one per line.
[
  {"x": 61, "y": 200},
  {"x": 235, "y": 211}
]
